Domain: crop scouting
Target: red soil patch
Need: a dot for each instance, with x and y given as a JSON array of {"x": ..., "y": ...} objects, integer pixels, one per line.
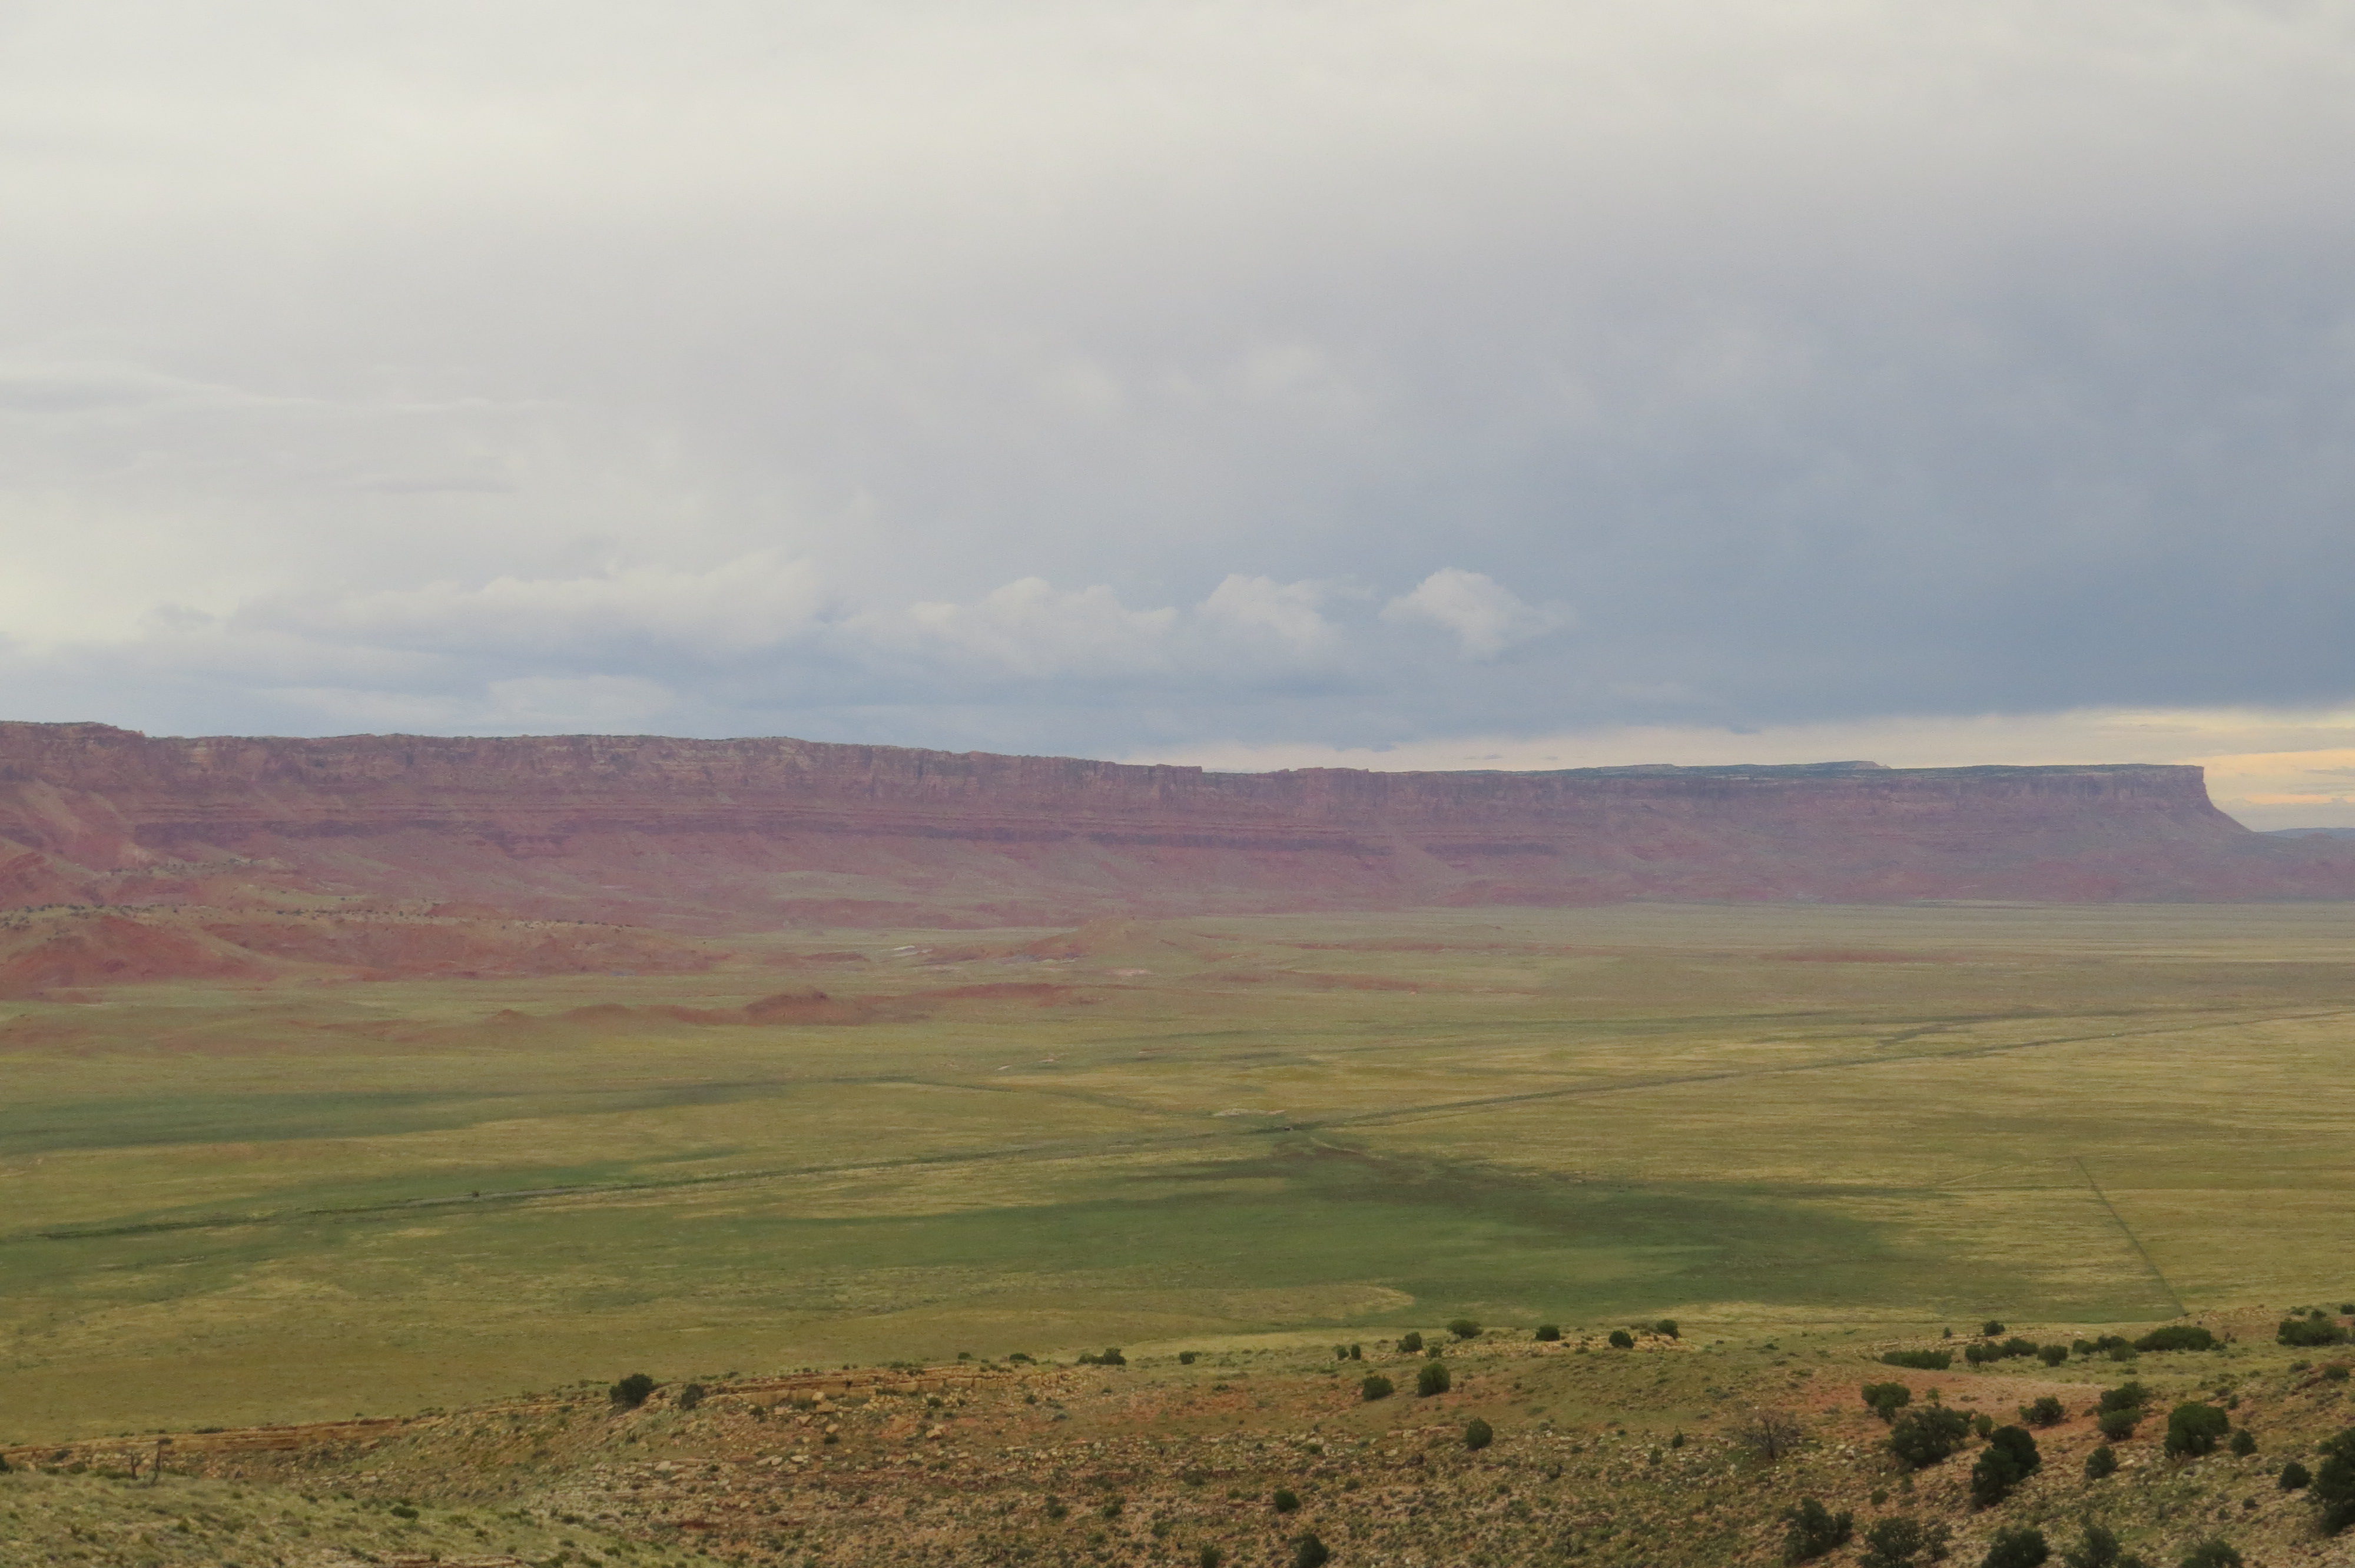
[{"x": 115, "y": 951}]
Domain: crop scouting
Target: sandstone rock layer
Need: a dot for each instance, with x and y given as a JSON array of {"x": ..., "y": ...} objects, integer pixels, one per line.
[{"x": 721, "y": 835}]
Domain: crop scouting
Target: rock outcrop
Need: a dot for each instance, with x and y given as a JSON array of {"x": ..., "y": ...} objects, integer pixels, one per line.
[{"x": 718, "y": 835}]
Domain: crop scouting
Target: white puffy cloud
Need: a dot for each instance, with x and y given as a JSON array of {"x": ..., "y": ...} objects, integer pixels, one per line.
[{"x": 1485, "y": 616}]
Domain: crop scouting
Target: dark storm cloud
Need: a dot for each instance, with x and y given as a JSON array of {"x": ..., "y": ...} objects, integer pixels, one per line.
[{"x": 1092, "y": 378}]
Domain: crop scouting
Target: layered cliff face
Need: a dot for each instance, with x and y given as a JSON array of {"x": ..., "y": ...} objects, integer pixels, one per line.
[{"x": 715, "y": 835}]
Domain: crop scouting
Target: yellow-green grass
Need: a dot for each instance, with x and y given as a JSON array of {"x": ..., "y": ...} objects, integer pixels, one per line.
[{"x": 236, "y": 1204}]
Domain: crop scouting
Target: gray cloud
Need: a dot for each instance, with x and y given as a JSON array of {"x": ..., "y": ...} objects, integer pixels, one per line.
[{"x": 1099, "y": 378}]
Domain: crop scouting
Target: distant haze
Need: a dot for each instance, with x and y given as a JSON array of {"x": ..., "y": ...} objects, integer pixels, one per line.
[{"x": 1256, "y": 385}]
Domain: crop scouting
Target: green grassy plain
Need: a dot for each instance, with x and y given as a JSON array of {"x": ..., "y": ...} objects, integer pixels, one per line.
[{"x": 234, "y": 1204}]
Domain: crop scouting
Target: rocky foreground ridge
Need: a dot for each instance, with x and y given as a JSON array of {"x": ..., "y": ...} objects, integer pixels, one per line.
[{"x": 720, "y": 835}]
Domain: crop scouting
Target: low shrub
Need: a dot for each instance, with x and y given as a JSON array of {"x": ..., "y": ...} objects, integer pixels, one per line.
[
  {"x": 632, "y": 1391},
  {"x": 1666, "y": 1327},
  {"x": 1433, "y": 1379},
  {"x": 2017, "y": 1546},
  {"x": 2101, "y": 1463},
  {"x": 2051, "y": 1355},
  {"x": 1921, "y": 1361},
  {"x": 2332, "y": 1486},
  {"x": 1376, "y": 1387},
  {"x": 2193, "y": 1429},
  {"x": 1548, "y": 1333},
  {"x": 1990, "y": 1329},
  {"x": 1902, "y": 1541},
  {"x": 2127, "y": 1395},
  {"x": 1187, "y": 1358},
  {"x": 2044, "y": 1412},
  {"x": 2304, "y": 1331},
  {"x": 2178, "y": 1337},
  {"x": 1465, "y": 1328},
  {"x": 2293, "y": 1477},
  {"x": 2212, "y": 1552},
  {"x": 2098, "y": 1548},
  {"x": 1411, "y": 1343},
  {"x": 1922, "y": 1437},
  {"x": 1479, "y": 1434},
  {"x": 1286, "y": 1500},
  {"x": 2009, "y": 1459},
  {"x": 1621, "y": 1340},
  {"x": 690, "y": 1396},
  {"x": 1886, "y": 1399},
  {"x": 2244, "y": 1443},
  {"x": 1813, "y": 1529},
  {"x": 1310, "y": 1553},
  {"x": 2335, "y": 1373}
]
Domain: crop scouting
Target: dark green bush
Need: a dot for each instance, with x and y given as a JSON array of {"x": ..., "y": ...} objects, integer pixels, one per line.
[
  {"x": 2117, "y": 1425},
  {"x": 2212, "y": 1553},
  {"x": 1433, "y": 1379},
  {"x": 690, "y": 1396},
  {"x": 2101, "y": 1463},
  {"x": 1621, "y": 1340},
  {"x": 632, "y": 1391},
  {"x": 1990, "y": 1329},
  {"x": 1983, "y": 1424},
  {"x": 1666, "y": 1326},
  {"x": 2016, "y": 1546},
  {"x": 2044, "y": 1412},
  {"x": 1376, "y": 1387},
  {"x": 2178, "y": 1337},
  {"x": 2052, "y": 1355},
  {"x": 1921, "y": 1361},
  {"x": 1923, "y": 1437},
  {"x": 1886, "y": 1399},
  {"x": 1111, "y": 1358},
  {"x": 1465, "y": 1328},
  {"x": 1286, "y": 1500},
  {"x": 1310, "y": 1553},
  {"x": 2009, "y": 1459},
  {"x": 1978, "y": 1355},
  {"x": 2015, "y": 1346},
  {"x": 1548, "y": 1333},
  {"x": 1186, "y": 1358},
  {"x": 2193, "y": 1429},
  {"x": 1814, "y": 1529},
  {"x": 1210, "y": 1557},
  {"x": 1903, "y": 1541},
  {"x": 2129, "y": 1395},
  {"x": 2244, "y": 1443},
  {"x": 2293, "y": 1477},
  {"x": 2099, "y": 1549},
  {"x": 1479, "y": 1434},
  {"x": 1411, "y": 1341},
  {"x": 2335, "y": 1373},
  {"x": 1357, "y": 1353},
  {"x": 2333, "y": 1486},
  {"x": 2309, "y": 1331}
]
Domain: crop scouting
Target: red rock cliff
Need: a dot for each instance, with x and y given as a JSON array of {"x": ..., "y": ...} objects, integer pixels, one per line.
[{"x": 719, "y": 834}]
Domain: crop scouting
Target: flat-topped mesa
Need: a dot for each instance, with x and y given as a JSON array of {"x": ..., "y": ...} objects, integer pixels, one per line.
[{"x": 717, "y": 834}]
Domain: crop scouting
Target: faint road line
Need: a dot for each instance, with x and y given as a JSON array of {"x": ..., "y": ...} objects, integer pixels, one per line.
[{"x": 2133, "y": 1239}]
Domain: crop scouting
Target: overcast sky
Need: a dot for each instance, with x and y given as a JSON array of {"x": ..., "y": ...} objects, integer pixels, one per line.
[{"x": 1251, "y": 383}]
